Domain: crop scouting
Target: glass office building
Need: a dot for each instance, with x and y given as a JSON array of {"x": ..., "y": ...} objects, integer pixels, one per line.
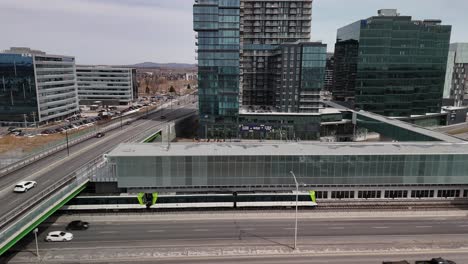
[
  {"x": 18, "y": 97},
  {"x": 217, "y": 25},
  {"x": 36, "y": 87},
  {"x": 300, "y": 77},
  {"x": 268, "y": 165},
  {"x": 399, "y": 64}
]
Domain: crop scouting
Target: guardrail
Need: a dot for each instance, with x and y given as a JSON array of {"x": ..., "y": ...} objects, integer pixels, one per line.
[
  {"x": 76, "y": 177},
  {"x": 115, "y": 123}
]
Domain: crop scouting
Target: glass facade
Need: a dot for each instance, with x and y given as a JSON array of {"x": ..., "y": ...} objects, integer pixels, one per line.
[
  {"x": 301, "y": 77},
  {"x": 18, "y": 99},
  {"x": 314, "y": 59},
  {"x": 217, "y": 25},
  {"x": 398, "y": 64},
  {"x": 273, "y": 170}
]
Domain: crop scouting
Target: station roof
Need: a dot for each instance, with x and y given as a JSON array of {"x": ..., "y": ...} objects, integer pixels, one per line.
[
  {"x": 288, "y": 149},
  {"x": 399, "y": 124}
]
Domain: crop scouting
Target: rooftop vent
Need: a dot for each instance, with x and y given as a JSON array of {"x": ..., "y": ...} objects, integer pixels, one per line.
[{"x": 388, "y": 12}]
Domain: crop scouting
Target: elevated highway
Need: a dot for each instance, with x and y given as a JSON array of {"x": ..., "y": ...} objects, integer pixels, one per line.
[{"x": 57, "y": 167}]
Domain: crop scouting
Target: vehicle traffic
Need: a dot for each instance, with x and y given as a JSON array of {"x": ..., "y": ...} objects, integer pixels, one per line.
[
  {"x": 77, "y": 225},
  {"x": 100, "y": 135},
  {"x": 24, "y": 186},
  {"x": 58, "y": 236}
]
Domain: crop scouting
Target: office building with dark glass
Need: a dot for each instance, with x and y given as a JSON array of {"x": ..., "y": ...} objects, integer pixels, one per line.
[
  {"x": 392, "y": 65},
  {"x": 36, "y": 87},
  {"x": 217, "y": 25}
]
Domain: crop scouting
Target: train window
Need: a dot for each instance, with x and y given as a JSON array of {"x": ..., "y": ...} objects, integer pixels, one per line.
[
  {"x": 369, "y": 194},
  {"x": 422, "y": 193},
  {"x": 448, "y": 193},
  {"x": 396, "y": 194}
]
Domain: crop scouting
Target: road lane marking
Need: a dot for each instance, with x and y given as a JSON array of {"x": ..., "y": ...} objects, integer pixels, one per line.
[
  {"x": 463, "y": 225},
  {"x": 380, "y": 227},
  {"x": 36, "y": 175},
  {"x": 289, "y": 228},
  {"x": 200, "y": 230},
  {"x": 423, "y": 226},
  {"x": 247, "y": 229},
  {"x": 107, "y": 232},
  {"x": 156, "y": 231},
  {"x": 336, "y": 227}
]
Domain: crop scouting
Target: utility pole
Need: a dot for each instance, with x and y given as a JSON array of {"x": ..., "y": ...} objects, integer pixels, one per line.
[
  {"x": 34, "y": 118},
  {"x": 25, "y": 122},
  {"x": 297, "y": 198},
  {"x": 68, "y": 148},
  {"x": 37, "y": 245},
  {"x": 121, "y": 125}
]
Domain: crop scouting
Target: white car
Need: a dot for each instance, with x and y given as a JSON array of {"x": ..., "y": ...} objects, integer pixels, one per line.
[
  {"x": 24, "y": 186},
  {"x": 58, "y": 236}
]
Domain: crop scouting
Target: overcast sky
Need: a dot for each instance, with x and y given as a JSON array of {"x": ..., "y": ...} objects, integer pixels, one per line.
[{"x": 132, "y": 31}]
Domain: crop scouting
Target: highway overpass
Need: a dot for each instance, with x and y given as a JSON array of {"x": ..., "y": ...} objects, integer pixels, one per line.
[{"x": 57, "y": 171}]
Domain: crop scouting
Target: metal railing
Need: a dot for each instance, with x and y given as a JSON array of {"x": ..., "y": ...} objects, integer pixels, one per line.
[
  {"x": 62, "y": 144},
  {"x": 47, "y": 198}
]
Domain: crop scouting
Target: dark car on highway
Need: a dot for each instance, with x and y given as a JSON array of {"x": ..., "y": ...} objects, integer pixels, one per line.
[
  {"x": 163, "y": 117},
  {"x": 100, "y": 135},
  {"x": 77, "y": 225}
]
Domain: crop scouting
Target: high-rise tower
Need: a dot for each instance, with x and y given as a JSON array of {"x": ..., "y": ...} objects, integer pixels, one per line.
[
  {"x": 264, "y": 26},
  {"x": 392, "y": 65}
]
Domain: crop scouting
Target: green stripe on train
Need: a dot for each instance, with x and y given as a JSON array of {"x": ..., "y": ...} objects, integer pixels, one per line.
[
  {"x": 312, "y": 195},
  {"x": 40, "y": 220},
  {"x": 155, "y": 198},
  {"x": 140, "y": 198}
]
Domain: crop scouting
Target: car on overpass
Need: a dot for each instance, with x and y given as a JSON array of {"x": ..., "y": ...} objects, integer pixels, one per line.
[
  {"x": 58, "y": 236},
  {"x": 24, "y": 186}
]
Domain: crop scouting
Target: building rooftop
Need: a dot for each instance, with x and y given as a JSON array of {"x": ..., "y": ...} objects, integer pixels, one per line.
[
  {"x": 412, "y": 127},
  {"x": 400, "y": 124},
  {"x": 287, "y": 149}
]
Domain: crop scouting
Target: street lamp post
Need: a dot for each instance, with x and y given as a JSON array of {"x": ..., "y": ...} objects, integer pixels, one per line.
[
  {"x": 68, "y": 148},
  {"x": 297, "y": 198},
  {"x": 37, "y": 245}
]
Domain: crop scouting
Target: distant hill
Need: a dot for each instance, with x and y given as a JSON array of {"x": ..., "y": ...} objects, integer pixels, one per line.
[{"x": 163, "y": 65}]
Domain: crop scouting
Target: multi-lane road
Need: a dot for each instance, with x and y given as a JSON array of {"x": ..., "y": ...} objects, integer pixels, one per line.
[
  {"x": 58, "y": 165},
  {"x": 263, "y": 240}
]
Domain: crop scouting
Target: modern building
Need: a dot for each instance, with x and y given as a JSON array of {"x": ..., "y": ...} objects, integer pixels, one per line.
[
  {"x": 392, "y": 65},
  {"x": 390, "y": 167},
  {"x": 108, "y": 84},
  {"x": 217, "y": 25},
  {"x": 456, "y": 80},
  {"x": 264, "y": 26},
  {"x": 300, "y": 78},
  {"x": 255, "y": 55},
  {"x": 36, "y": 87}
]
